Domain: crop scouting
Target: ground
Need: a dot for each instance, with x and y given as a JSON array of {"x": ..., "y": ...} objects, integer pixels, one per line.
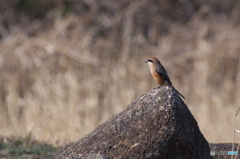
[{"x": 25, "y": 148}]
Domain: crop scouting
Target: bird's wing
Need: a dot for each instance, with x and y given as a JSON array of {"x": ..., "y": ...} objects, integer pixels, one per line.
[{"x": 164, "y": 74}]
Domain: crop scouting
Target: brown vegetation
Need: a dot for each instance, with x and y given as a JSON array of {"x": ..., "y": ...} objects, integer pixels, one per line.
[{"x": 67, "y": 66}]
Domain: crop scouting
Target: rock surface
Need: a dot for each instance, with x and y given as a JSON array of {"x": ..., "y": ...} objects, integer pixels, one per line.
[
  {"x": 96, "y": 156},
  {"x": 157, "y": 125}
]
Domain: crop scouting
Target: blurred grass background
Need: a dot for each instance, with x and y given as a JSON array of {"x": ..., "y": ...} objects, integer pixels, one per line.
[{"x": 66, "y": 66}]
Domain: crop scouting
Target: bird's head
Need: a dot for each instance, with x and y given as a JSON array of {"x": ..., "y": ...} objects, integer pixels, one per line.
[{"x": 152, "y": 60}]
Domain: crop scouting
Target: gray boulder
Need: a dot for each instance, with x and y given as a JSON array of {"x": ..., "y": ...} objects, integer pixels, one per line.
[{"x": 157, "y": 125}]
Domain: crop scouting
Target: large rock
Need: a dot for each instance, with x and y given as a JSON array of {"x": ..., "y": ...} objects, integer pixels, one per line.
[{"x": 157, "y": 125}]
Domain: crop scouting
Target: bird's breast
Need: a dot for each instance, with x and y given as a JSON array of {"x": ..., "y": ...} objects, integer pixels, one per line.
[
  {"x": 158, "y": 78},
  {"x": 155, "y": 75}
]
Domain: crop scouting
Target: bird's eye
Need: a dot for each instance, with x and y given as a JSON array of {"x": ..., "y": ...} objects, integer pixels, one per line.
[{"x": 149, "y": 60}]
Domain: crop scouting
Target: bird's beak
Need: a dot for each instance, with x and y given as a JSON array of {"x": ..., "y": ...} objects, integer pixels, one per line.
[{"x": 146, "y": 61}]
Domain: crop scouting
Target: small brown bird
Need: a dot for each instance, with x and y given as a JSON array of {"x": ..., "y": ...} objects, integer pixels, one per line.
[{"x": 159, "y": 73}]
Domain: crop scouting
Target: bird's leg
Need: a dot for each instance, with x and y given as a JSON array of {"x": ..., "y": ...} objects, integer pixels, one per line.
[{"x": 160, "y": 86}]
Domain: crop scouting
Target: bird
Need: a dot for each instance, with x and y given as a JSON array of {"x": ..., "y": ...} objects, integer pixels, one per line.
[{"x": 159, "y": 73}]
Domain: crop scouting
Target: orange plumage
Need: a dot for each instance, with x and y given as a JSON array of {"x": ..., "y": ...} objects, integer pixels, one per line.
[{"x": 159, "y": 73}]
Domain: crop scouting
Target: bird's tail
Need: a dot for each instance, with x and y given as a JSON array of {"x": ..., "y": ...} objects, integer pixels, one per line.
[{"x": 178, "y": 92}]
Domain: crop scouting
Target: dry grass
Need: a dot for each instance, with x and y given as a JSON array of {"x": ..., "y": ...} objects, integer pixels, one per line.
[
  {"x": 63, "y": 81},
  {"x": 234, "y": 135}
]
